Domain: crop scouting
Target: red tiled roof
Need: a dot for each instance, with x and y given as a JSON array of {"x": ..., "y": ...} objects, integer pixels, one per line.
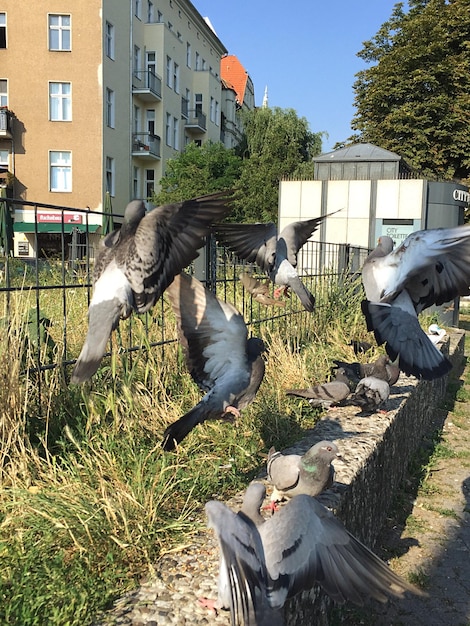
[{"x": 233, "y": 72}]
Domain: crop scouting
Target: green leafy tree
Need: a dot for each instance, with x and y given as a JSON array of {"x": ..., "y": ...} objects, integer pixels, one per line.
[
  {"x": 198, "y": 170},
  {"x": 277, "y": 143},
  {"x": 415, "y": 98}
]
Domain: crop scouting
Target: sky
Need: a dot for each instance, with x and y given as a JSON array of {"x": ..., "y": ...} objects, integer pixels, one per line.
[{"x": 305, "y": 52}]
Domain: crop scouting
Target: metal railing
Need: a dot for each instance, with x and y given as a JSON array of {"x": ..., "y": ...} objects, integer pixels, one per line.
[{"x": 53, "y": 290}]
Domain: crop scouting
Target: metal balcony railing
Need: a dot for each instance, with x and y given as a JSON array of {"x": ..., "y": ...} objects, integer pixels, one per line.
[{"x": 146, "y": 145}]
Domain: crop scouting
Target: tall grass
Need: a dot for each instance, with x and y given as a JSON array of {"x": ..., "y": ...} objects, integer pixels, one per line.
[{"x": 88, "y": 499}]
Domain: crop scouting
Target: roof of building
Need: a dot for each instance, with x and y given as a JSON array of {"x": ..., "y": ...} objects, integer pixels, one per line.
[
  {"x": 359, "y": 152},
  {"x": 233, "y": 72}
]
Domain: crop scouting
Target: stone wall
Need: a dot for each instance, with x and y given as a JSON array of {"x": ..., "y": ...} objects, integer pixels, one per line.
[{"x": 378, "y": 454}]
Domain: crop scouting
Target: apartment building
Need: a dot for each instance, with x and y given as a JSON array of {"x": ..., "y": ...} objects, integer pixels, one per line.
[{"x": 96, "y": 96}]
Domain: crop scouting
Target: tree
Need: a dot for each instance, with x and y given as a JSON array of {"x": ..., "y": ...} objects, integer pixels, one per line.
[
  {"x": 277, "y": 143},
  {"x": 415, "y": 99},
  {"x": 198, "y": 170}
]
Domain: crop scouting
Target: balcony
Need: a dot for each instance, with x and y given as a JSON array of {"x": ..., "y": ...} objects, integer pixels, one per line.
[
  {"x": 196, "y": 122},
  {"x": 147, "y": 86},
  {"x": 146, "y": 146},
  {"x": 6, "y": 118}
]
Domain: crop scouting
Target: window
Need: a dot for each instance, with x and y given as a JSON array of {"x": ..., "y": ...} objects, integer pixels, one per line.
[
  {"x": 136, "y": 59},
  {"x": 150, "y": 114},
  {"x": 169, "y": 75},
  {"x": 151, "y": 62},
  {"x": 168, "y": 133},
  {"x": 109, "y": 40},
  {"x": 136, "y": 119},
  {"x": 188, "y": 55},
  {"x": 109, "y": 107},
  {"x": 60, "y": 102},
  {"x": 217, "y": 113},
  {"x": 138, "y": 8},
  {"x": 59, "y": 32},
  {"x": 198, "y": 102},
  {"x": 110, "y": 175},
  {"x": 136, "y": 183},
  {"x": 3, "y": 92},
  {"x": 3, "y": 30},
  {"x": 176, "y": 77},
  {"x": 4, "y": 155},
  {"x": 149, "y": 183},
  {"x": 159, "y": 17},
  {"x": 60, "y": 166},
  {"x": 212, "y": 110},
  {"x": 198, "y": 61},
  {"x": 176, "y": 133},
  {"x": 150, "y": 12}
]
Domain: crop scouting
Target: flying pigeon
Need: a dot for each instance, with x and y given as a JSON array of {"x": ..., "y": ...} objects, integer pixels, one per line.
[
  {"x": 275, "y": 254},
  {"x": 381, "y": 368},
  {"x": 259, "y": 291},
  {"x": 221, "y": 359},
  {"x": 371, "y": 394},
  {"x": 311, "y": 473},
  {"x": 324, "y": 395},
  {"x": 262, "y": 564},
  {"x": 428, "y": 267},
  {"x": 136, "y": 263}
]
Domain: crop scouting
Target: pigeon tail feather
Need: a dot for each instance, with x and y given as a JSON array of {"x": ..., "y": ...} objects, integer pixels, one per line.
[
  {"x": 176, "y": 432},
  {"x": 102, "y": 320}
]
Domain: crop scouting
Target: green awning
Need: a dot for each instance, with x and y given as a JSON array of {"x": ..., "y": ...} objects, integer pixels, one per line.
[{"x": 31, "y": 227}]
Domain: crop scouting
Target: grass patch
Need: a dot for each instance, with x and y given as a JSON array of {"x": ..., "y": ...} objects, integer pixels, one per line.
[
  {"x": 88, "y": 499},
  {"x": 419, "y": 578}
]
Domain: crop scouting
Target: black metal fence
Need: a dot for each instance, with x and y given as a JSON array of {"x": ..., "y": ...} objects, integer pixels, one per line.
[{"x": 47, "y": 295}]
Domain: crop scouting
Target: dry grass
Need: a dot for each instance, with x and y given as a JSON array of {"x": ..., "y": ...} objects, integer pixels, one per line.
[{"x": 88, "y": 499}]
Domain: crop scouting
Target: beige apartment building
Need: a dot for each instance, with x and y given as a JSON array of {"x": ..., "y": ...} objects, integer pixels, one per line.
[{"x": 96, "y": 96}]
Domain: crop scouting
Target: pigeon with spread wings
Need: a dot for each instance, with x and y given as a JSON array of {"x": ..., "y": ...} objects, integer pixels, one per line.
[
  {"x": 275, "y": 253},
  {"x": 263, "y": 563},
  {"x": 221, "y": 359},
  {"x": 428, "y": 267},
  {"x": 136, "y": 263}
]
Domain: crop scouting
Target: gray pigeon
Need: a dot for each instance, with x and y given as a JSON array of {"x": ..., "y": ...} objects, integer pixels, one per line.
[
  {"x": 381, "y": 368},
  {"x": 221, "y": 359},
  {"x": 259, "y": 291},
  {"x": 311, "y": 473},
  {"x": 303, "y": 544},
  {"x": 428, "y": 267},
  {"x": 371, "y": 394},
  {"x": 275, "y": 254},
  {"x": 324, "y": 395},
  {"x": 136, "y": 263}
]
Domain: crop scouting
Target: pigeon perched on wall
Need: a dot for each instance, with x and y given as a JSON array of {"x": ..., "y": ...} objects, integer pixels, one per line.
[
  {"x": 371, "y": 394},
  {"x": 324, "y": 395},
  {"x": 381, "y": 368},
  {"x": 303, "y": 544},
  {"x": 310, "y": 473},
  {"x": 136, "y": 263},
  {"x": 428, "y": 267},
  {"x": 221, "y": 359},
  {"x": 259, "y": 291},
  {"x": 274, "y": 253}
]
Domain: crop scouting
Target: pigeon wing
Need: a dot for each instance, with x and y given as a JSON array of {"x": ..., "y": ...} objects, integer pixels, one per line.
[
  {"x": 212, "y": 333},
  {"x": 433, "y": 265},
  {"x": 166, "y": 241},
  {"x": 296, "y": 234},
  {"x": 242, "y": 567},
  {"x": 255, "y": 243},
  {"x": 304, "y": 544}
]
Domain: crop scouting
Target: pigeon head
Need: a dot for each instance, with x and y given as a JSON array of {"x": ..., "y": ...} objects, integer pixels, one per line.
[
  {"x": 255, "y": 347},
  {"x": 322, "y": 452},
  {"x": 134, "y": 212},
  {"x": 386, "y": 244}
]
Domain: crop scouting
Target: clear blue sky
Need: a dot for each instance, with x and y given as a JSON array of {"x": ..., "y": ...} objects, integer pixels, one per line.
[{"x": 304, "y": 51}]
